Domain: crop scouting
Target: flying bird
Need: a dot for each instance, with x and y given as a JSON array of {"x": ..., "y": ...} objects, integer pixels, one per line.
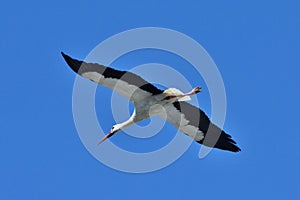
[{"x": 169, "y": 104}]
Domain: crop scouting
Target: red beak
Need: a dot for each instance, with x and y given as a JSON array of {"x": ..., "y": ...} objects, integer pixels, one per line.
[{"x": 105, "y": 137}]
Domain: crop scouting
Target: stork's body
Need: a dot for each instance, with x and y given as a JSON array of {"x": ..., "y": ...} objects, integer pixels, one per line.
[{"x": 149, "y": 100}]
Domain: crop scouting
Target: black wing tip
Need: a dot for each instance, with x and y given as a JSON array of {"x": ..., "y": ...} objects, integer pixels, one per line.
[
  {"x": 228, "y": 147},
  {"x": 65, "y": 56},
  {"x": 226, "y": 143},
  {"x": 74, "y": 64},
  {"x": 235, "y": 148}
]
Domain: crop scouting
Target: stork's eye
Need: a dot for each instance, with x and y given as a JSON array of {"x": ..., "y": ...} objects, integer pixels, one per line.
[
  {"x": 112, "y": 128},
  {"x": 167, "y": 98}
]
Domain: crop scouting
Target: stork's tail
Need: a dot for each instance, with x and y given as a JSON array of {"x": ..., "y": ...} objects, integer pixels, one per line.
[{"x": 176, "y": 92}]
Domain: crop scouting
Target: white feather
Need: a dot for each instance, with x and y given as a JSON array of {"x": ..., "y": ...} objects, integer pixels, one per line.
[{"x": 131, "y": 92}]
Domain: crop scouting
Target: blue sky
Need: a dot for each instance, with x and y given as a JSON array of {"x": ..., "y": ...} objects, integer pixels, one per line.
[{"x": 256, "y": 47}]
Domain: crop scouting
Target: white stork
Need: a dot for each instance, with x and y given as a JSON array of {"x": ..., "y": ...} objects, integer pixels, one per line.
[{"x": 169, "y": 104}]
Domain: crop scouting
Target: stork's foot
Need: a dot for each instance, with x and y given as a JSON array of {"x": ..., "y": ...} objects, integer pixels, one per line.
[
  {"x": 196, "y": 90},
  {"x": 193, "y": 91}
]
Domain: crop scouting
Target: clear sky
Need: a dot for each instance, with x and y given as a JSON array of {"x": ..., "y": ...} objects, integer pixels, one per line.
[{"x": 255, "y": 45}]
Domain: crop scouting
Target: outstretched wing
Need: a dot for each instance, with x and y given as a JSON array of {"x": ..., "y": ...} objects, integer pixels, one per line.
[
  {"x": 130, "y": 85},
  {"x": 195, "y": 123}
]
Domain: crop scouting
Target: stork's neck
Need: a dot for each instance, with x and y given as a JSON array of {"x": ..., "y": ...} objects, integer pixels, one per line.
[{"x": 127, "y": 123}]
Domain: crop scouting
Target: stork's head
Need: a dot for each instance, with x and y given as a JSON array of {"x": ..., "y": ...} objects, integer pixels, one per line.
[{"x": 116, "y": 128}]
